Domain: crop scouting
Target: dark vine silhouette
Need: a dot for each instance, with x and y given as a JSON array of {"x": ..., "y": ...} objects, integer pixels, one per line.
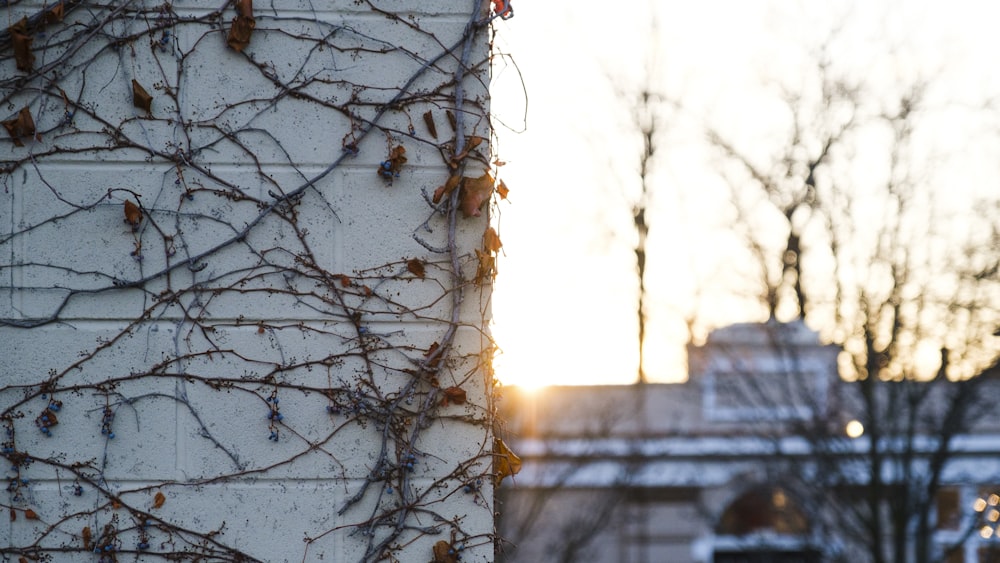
[{"x": 209, "y": 270}]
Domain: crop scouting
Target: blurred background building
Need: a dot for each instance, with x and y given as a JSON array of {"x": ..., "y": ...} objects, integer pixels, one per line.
[{"x": 764, "y": 455}]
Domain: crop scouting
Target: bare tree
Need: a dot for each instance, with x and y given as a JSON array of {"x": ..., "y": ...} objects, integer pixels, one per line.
[
  {"x": 560, "y": 516},
  {"x": 646, "y": 121},
  {"x": 889, "y": 264},
  {"x": 857, "y": 223}
]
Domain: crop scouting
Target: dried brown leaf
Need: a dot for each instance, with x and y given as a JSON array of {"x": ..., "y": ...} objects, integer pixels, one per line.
[
  {"x": 244, "y": 8},
  {"x": 243, "y": 26},
  {"x": 429, "y": 122},
  {"x": 416, "y": 267},
  {"x": 505, "y": 462},
  {"x": 430, "y": 352},
  {"x": 141, "y": 98},
  {"x": 159, "y": 499},
  {"x": 47, "y": 418},
  {"x": 397, "y": 154},
  {"x": 86, "y": 537},
  {"x": 491, "y": 240},
  {"x": 21, "y": 40},
  {"x": 444, "y": 553},
  {"x": 470, "y": 145},
  {"x": 453, "y": 182},
  {"x": 55, "y": 14},
  {"x": 391, "y": 166},
  {"x": 30, "y": 514},
  {"x": 475, "y": 193},
  {"x": 486, "y": 269},
  {"x": 503, "y": 8},
  {"x": 133, "y": 214},
  {"x": 438, "y": 194},
  {"x": 21, "y": 126},
  {"x": 473, "y": 142},
  {"x": 502, "y": 190},
  {"x": 455, "y": 395}
]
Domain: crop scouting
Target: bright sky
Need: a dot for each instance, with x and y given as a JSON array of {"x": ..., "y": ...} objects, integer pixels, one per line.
[{"x": 564, "y": 305}]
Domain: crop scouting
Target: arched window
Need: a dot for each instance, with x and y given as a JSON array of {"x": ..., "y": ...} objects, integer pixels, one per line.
[
  {"x": 763, "y": 525},
  {"x": 767, "y": 508}
]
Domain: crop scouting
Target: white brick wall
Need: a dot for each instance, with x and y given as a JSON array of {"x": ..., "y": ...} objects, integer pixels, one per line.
[{"x": 271, "y": 261}]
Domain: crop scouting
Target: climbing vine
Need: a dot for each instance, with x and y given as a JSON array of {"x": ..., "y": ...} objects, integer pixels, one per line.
[{"x": 190, "y": 312}]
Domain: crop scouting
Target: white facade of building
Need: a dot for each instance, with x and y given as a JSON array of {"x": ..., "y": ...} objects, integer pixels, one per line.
[{"x": 712, "y": 470}]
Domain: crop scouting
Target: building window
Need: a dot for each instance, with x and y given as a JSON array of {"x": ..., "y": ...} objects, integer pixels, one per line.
[
  {"x": 763, "y": 395},
  {"x": 948, "y": 505},
  {"x": 989, "y": 554},
  {"x": 763, "y": 509},
  {"x": 763, "y": 525},
  {"x": 764, "y": 372},
  {"x": 988, "y": 506},
  {"x": 968, "y": 524}
]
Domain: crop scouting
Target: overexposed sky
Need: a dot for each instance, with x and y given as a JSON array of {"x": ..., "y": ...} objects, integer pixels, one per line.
[{"x": 564, "y": 305}]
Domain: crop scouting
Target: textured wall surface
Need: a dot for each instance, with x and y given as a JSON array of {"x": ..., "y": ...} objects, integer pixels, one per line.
[{"x": 244, "y": 277}]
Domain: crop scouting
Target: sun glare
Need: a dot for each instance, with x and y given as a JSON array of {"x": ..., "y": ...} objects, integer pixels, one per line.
[{"x": 535, "y": 354}]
